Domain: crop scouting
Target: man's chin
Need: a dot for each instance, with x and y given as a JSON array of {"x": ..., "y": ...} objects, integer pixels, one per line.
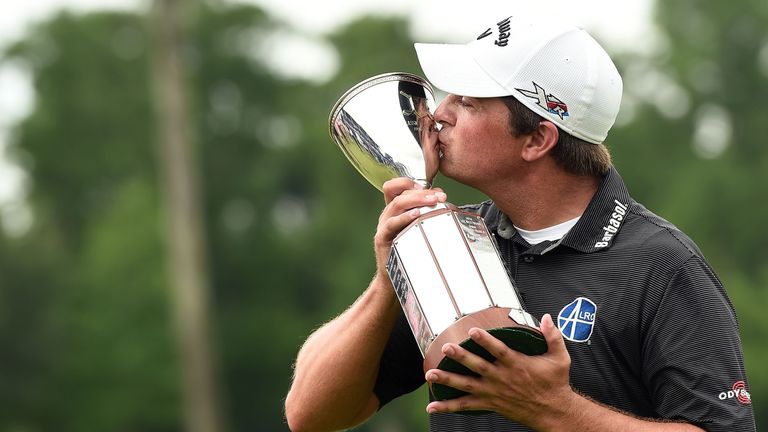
[{"x": 445, "y": 170}]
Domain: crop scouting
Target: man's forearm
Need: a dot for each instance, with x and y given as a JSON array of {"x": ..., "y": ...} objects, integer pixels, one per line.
[
  {"x": 336, "y": 368},
  {"x": 586, "y": 415}
]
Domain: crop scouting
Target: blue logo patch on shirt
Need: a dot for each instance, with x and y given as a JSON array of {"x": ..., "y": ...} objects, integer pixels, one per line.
[{"x": 577, "y": 319}]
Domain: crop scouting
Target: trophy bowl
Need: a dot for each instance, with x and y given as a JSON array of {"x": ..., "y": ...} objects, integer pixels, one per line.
[
  {"x": 384, "y": 126},
  {"x": 444, "y": 266}
]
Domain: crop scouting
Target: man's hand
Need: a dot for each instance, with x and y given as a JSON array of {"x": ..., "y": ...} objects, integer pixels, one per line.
[
  {"x": 403, "y": 197},
  {"x": 523, "y": 388}
]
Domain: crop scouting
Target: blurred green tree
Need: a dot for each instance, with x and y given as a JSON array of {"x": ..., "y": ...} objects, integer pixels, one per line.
[
  {"x": 284, "y": 213},
  {"x": 95, "y": 344}
]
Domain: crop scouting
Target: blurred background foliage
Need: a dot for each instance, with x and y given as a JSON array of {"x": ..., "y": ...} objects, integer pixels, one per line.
[{"x": 85, "y": 316}]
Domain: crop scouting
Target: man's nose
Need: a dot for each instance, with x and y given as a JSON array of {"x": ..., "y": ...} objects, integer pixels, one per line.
[{"x": 443, "y": 113}]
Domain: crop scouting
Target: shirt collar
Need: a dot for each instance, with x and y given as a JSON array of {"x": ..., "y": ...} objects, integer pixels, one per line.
[
  {"x": 596, "y": 229},
  {"x": 604, "y": 217}
]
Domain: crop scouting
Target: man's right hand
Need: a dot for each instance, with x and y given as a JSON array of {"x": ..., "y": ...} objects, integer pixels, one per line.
[{"x": 403, "y": 197}]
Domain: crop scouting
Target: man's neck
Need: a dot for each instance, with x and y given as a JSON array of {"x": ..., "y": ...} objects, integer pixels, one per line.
[{"x": 542, "y": 201}]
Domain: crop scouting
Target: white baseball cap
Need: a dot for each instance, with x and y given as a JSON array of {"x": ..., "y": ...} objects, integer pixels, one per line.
[{"x": 556, "y": 69}]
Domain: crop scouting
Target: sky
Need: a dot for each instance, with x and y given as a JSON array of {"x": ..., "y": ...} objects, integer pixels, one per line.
[
  {"x": 620, "y": 26},
  {"x": 621, "y": 22}
]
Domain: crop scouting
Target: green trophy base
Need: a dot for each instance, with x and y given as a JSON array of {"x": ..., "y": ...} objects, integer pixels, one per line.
[{"x": 522, "y": 339}]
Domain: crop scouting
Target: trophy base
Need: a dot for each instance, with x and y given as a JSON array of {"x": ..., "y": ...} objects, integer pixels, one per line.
[{"x": 523, "y": 339}]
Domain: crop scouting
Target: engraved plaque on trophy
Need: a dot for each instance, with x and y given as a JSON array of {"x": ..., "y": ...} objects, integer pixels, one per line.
[{"x": 444, "y": 266}]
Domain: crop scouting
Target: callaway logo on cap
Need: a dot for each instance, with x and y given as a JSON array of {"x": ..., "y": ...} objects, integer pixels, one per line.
[{"x": 555, "y": 69}]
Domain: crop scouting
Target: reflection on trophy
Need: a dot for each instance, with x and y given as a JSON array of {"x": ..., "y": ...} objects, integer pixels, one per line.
[{"x": 444, "y": 266}]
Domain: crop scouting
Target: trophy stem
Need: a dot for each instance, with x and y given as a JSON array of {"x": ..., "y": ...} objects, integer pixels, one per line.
[{"x": 423, "y": 183}]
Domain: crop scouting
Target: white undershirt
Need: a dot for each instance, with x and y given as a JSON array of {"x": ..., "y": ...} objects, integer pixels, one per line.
[{"x": 552, "y": 233}]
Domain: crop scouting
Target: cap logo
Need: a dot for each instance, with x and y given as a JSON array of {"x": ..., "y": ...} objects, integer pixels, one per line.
[
  {"x": 484, "y": 34},
  {"x": 577, "y": 319},
  {"x": 504, "y": 28},
  {"x": 549, "y": 102}
]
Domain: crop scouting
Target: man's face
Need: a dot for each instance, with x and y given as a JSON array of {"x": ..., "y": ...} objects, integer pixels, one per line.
[{"x": 475, "y": 139}]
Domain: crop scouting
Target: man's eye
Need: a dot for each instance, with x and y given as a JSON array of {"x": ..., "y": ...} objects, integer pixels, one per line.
[{"x": 464, "y": 102}]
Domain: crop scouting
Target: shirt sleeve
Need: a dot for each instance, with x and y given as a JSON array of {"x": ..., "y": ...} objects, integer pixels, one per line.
[
  {"x": 401, "y": 369},
  {"x": 694, "y": 366}
]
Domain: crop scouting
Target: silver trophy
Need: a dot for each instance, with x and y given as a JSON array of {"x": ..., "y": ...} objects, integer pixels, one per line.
[{"x": 444, "y": 266}]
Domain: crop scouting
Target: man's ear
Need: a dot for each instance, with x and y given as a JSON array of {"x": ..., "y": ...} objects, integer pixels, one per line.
[{"x": 541, "y": 141}]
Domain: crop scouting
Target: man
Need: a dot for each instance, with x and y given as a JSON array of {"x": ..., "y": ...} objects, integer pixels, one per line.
[{"x": 641, "y": 333}]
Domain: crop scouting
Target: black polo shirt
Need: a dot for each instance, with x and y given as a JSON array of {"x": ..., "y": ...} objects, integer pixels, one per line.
[{"x": 648, "y": 324}]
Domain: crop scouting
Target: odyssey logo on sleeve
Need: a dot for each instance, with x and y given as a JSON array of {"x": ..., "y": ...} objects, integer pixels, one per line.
[
  {"x": 577, "y": 319},
  {"x": 739, "y": 392}
]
